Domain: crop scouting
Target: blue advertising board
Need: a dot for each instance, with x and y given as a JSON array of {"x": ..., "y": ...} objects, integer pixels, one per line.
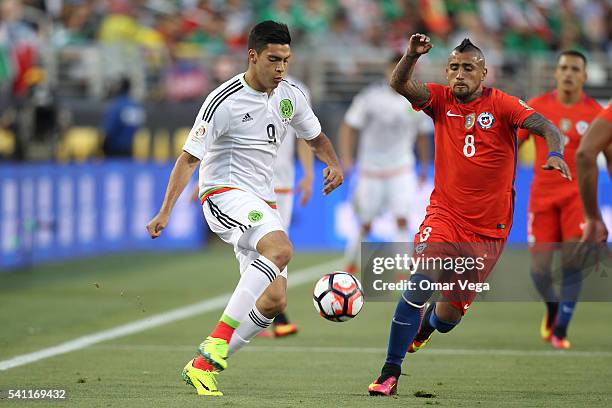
[{"x": 52, "y": 212}]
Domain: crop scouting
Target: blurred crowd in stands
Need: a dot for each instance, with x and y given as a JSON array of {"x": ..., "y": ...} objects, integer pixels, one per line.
[{"x": 172, "y": 37}]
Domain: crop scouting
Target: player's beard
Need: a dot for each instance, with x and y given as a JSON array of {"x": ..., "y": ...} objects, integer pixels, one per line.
[{"x": 463, "y": 93}]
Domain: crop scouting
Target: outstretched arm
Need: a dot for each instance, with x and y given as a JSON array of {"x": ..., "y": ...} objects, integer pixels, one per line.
[
  {"x": 539, "y": 125},
  {"x": 401, "y": 80},
  {"x": 324, "y": 150},
  {"x": 181, "y": 173}
]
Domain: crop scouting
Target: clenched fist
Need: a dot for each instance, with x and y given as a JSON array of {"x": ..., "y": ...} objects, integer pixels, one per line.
[
  {"x": 418, "y": 44},
  {"x": 157, "y": 224}
]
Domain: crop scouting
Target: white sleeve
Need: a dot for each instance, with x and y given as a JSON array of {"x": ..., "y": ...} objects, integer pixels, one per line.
[
  {"x": 355, "y": 116},
  {"x": 425, "y": 124},
  {"x": 205, "y": 132},
  {"x": 305, "y": 122}
]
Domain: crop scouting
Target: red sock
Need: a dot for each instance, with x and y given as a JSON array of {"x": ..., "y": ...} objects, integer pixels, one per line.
[
  {"x": 202, "y": 364},
  {"x": 223, "y": 331}
]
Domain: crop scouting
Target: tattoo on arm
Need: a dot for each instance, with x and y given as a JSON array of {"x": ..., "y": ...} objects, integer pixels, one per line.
[
  {"x": 401, "y": 80},
  {"x": 539, "y": 125}
]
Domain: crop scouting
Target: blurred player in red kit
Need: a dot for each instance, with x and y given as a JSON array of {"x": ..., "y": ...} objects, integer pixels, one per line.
[{"x": 555, "y": 211}]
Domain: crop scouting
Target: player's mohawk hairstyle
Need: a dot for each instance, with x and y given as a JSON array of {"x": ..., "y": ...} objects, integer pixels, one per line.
[{"x": 467, "y": 46}]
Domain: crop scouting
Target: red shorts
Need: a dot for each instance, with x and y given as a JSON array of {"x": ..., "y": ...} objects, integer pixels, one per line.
[
  {"x": 553, "y": 218},
  {"x": 439, "y": 237}
]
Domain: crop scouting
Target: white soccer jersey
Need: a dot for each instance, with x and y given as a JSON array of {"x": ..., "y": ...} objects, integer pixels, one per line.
[
  {"x": 388, "y": 128},
  {"x": 238, "y": 131},
  {"x": 284, "y": 169}
]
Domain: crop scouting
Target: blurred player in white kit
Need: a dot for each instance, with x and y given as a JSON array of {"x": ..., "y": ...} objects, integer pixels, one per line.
[{"x": 388, "y": 130}]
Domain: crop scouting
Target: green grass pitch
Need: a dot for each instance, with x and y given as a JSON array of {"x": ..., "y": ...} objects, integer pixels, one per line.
[{"x": 494, "y": 358}]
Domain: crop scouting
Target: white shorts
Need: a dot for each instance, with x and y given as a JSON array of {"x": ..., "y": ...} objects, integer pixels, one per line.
[
  {"x": 241, "y": 219},
  {"x": 377, "y": 194},
  {"x": 284, "y": 203}
]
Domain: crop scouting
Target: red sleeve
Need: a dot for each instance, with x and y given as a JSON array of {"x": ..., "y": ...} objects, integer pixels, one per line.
[
  {"x": 436, "y": 99},
  {"x": 515, "y": 109},
  {"x": 523, "y": 134},
  {"x": 606, "y": 114}
]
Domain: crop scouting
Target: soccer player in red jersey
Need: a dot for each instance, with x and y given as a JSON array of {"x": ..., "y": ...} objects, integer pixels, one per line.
[
  {"x": 597, "y": 139},
  {"x": 555, "y": 212},
  {"x": 472, "y": 200}
]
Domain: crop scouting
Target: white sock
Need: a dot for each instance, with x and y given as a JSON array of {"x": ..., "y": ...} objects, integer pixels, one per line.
[
  {"x": 253, "y": 282},
  {"x": 254, "y": 323},
  {"x": 353, "y": 246}
]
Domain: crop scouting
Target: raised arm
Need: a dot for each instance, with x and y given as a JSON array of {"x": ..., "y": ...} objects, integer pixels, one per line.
[
  {"x": 401, "y": 79},
  {"x": 539, "y": 125},
  {"x": 181, "y": 173},
  {"x": 324, "y": 150}
]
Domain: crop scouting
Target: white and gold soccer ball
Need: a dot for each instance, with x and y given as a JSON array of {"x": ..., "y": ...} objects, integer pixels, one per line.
[{"x": 338, "y": 296}]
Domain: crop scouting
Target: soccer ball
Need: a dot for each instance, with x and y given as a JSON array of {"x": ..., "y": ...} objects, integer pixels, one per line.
[{"x": 338, "y": 296}]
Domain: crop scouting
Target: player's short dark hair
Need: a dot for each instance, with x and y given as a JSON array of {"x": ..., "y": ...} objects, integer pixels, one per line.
[
  {"x": 467, "y": 46},
  {"x": 573, "y": 53},
  {"x": 268, "y": 32}
]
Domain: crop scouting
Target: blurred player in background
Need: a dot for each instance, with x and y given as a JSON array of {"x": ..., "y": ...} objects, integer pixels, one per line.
[
  {"x": 284, "y": 179},
  {"x": 388, "y": 129},
  {"x": 597, "y": 139},
  {"x": 555, "y": 211},
  {"x": 235, "y": 139},
  {"x": 472, "y": 200}
]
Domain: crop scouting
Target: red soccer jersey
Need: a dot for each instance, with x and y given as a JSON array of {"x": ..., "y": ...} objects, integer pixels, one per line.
[
  {"x": 475, "y": 157},
  {"x": 573, "y": 121}
]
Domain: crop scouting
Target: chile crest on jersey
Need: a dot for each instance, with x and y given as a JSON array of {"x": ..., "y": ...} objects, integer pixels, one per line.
[{"x": 485, "y": 120}]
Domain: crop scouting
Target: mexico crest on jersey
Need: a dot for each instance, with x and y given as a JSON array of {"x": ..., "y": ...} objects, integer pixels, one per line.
[
  {"x": 581, "y": 127},
  {"x": 470, "y": 120},
  {"x": 485, "y": 120},
  {"x": 286, "y": 108},
  {"x": 255, "y": 216}
]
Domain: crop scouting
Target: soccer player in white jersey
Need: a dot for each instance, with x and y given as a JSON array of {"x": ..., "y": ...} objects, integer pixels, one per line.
[
  {"x": 388, "y": 129},
  {"x": 234, "y": 140},
  {"x": 284, "y": 174}
]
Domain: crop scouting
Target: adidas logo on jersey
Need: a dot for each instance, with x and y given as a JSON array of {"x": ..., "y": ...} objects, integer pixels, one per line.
[{"x": 247, "y": 118}]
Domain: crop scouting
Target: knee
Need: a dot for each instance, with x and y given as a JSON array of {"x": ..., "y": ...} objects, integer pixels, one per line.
[
  {"x": 281, "y": 254},
  {"x": 419, "y": 291}
]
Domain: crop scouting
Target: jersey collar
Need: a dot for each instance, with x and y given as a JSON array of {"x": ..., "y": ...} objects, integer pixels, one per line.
[{"x": 248, "y": 87}]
